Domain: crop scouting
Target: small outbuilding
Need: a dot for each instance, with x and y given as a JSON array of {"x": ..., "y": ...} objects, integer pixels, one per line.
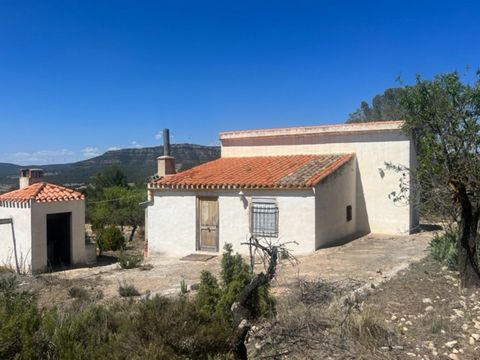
[{"x": 42, "y": 226}]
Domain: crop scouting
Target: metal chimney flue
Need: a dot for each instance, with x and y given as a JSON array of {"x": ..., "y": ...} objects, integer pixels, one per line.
[
  {"x": 166, "y": 163},
  {"x": 166, "y": 142}
]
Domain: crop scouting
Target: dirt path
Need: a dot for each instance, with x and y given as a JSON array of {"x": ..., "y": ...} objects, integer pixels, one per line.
[
  {"x": 370, "y": 258},
  {"x": 373, "y": 258}
]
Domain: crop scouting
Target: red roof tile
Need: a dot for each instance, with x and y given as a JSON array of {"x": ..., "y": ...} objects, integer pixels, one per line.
[
  {"x": 42, "y": 192},
  {"x": 290, "y": 171}
]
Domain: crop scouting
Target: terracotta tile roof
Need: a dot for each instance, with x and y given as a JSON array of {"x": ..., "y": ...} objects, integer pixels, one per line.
[
  {"x": 42, "y": 192},
  {"x": 260, "y": 172}
]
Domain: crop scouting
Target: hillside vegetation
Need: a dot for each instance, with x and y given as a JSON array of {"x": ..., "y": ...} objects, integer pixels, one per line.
[{"x": 137, "y": 164}]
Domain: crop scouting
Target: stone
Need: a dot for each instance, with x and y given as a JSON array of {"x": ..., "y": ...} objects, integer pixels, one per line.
[
  {"x": 453, "y": 357},
  {"x": 471, "y": 340},
  {"x": 409, "y": 323},
  {"x": 427, "y": 301},
  {"x": 476, "y": 337},
  {"x": 464, "y": 327},
  {"x": 458, "y": 312},
  {"x": 429, "y": 309},
  {"x": 411, "y": 354},
  {"x": 393, "y": 318},
  {"x": 451, "y": 344}
]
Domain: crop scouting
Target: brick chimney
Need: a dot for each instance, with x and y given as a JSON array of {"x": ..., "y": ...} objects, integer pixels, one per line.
[
  {"x": 166, "y": 163},
  {"x": 29, "y": 177}
]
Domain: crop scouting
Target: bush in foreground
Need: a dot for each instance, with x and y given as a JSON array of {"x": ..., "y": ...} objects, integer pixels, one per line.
[
  {"x": 129, "y": 261},
  {"x": 156, "y": 328},
  {"x": 444, "y": 248}
]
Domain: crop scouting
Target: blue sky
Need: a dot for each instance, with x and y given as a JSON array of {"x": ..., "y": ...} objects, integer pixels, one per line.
[{"x": 80, "y": 77}]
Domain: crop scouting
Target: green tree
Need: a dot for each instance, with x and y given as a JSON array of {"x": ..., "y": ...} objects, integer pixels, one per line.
[
  {"x": 118, "y": 205},
  {"x": 111, "y": 176},
  {"x": 443, "y": 118},
  {"x": 386, "y": 106}
]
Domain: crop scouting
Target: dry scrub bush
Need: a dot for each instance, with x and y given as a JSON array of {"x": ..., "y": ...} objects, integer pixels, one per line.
[{"x": 366, "y": 327}]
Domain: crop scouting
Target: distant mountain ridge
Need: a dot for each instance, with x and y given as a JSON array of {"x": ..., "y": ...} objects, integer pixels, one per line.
[{"x": 137, "y": 164}]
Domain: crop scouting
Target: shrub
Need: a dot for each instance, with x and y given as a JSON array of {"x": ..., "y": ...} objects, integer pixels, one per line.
[
  {"x": 20, "y": 324},
  {"x": 110, "y": 238},
  {"x": 177, "y": 328},
  {"x": 444, "y": 248},
  {"x": 77, "y": 292},
  {"x": 183, "y": 287},
  {"x": 235, "y": 276},
  {"x": 85, "y": 333},
  {"x": 209, "y": 292},
  {"x": 127, "y": 290},
  {"x": 156, "y": 328},
  {"x": 129, "y": 261},
  {"x": 367, "y": 328}
]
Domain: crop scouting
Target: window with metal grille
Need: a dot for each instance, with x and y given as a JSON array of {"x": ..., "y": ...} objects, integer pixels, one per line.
[{"x": 264, "y": 218}]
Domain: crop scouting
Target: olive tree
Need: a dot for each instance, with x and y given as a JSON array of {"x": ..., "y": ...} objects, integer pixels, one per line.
[{"x": 443, "y": 118}]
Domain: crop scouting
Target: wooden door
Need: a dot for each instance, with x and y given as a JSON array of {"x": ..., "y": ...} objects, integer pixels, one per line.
[{"x": 207, "y": 224}]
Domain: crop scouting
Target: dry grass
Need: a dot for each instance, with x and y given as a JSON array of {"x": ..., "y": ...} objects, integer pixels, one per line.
[
  {"x": 311, "y": 321},
  {"x": 367, "y": 327}
]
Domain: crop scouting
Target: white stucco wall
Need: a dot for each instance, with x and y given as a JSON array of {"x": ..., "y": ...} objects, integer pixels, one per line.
[
  {"x": 171, "y": 224},
  {"x": 39, "y": 231},
  {"x": 372, "y": 150},
  {"x": 20, "y": 214},
  {"x": 171, "y": 227},
  {"x": 333, "y": 195}
]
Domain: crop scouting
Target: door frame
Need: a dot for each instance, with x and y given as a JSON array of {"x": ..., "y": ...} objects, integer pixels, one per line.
[
  {"x": 67, "y": 247},
  {"x": 197, "y": 224}
]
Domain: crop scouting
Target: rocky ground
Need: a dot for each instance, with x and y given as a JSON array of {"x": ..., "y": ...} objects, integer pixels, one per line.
[
  {"x": 419, "y": 314},
  {"x": 375, "y": 298}
]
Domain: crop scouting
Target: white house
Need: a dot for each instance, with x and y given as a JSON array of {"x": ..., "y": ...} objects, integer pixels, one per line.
[
  {"x": 42, "y": 225},
  {"x": 317, "y": 186}
]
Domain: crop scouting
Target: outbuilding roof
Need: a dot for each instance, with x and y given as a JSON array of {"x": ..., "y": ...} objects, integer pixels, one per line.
[
  {"x": 42, "y": 192},
  {"x": 260, "y": 172}
]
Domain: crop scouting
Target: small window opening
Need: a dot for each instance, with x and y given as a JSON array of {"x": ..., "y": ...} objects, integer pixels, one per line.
[{"x": 349, "y": 213}]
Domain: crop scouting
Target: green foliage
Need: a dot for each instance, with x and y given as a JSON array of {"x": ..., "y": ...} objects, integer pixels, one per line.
[
  {"x": 183, "y": 287},
  {"x": 117, "y": 205},
  {"x": 129, "y": 261},
  {"x": 175, "y": 328},
  {"x": 77, "y": 292},
  {"x": 387, "y": 106},
  {"x": 110, "y": 238},
  {"x": 85, "y": 333},
  {"x": 443, "y": 118},
  {"x": 444, "y": 248},
  {"x": 235, "y": 276},
  {"x": 209, "y": 292},
  {"x": 156, "y": 328},
  {"x": 21, "y": 333},
  {"x": 110, "y": 177},
  {"x": 127, "y": 290}
]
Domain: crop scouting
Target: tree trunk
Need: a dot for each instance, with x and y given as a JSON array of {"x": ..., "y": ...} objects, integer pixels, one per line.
[
  {"x": 239, "y": 309},
  {"x": 467, "y": 245},
  {"x": 132, "y": 234}
]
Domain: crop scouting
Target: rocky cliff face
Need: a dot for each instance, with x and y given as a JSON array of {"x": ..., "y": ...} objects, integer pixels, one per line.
[{"x": 137, "y": 164}]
